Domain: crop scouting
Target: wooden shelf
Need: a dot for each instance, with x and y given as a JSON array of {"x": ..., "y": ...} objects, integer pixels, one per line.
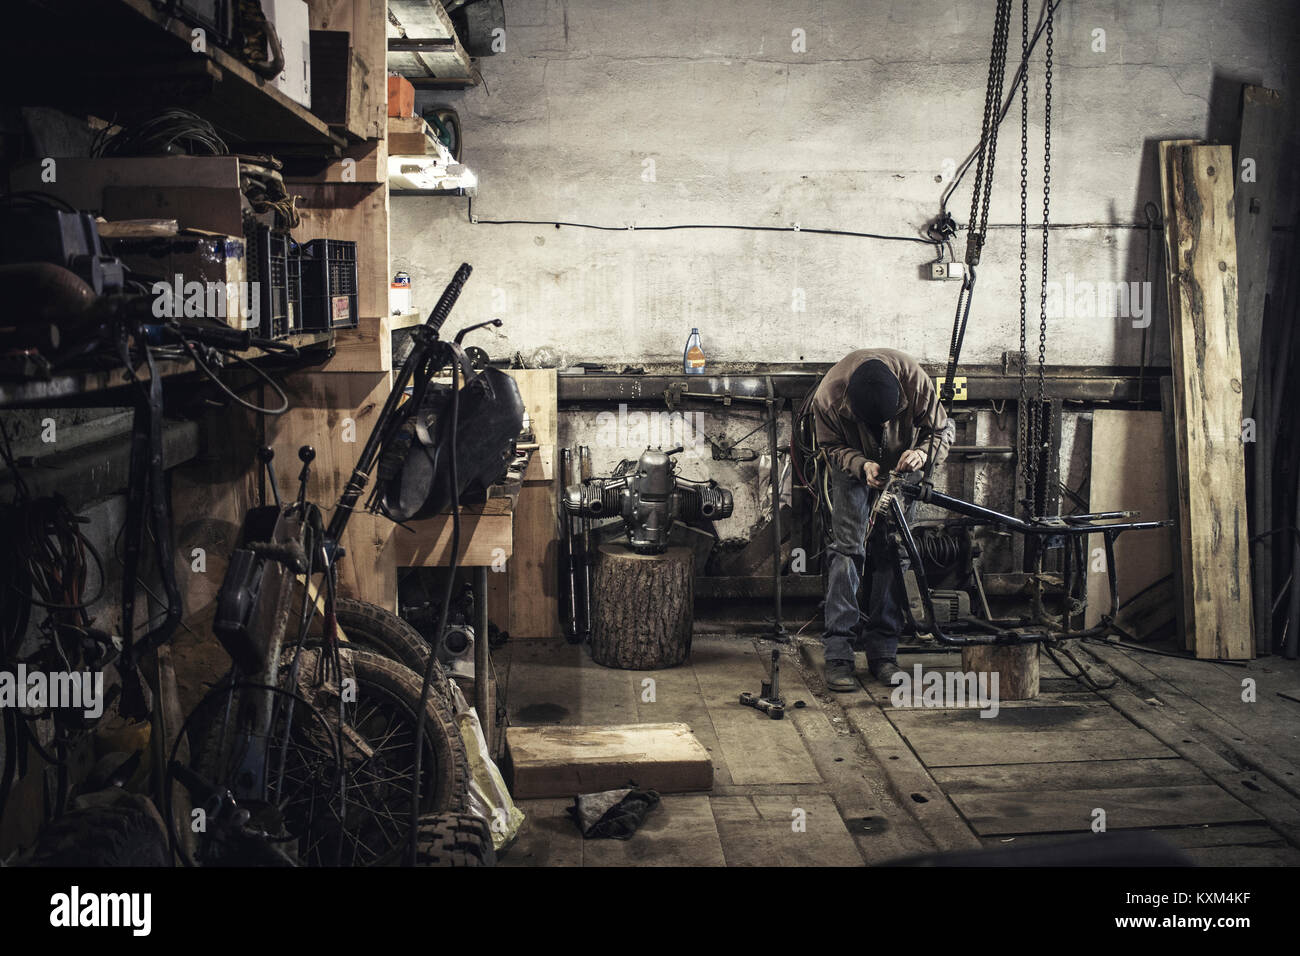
[
  {"x": 405, "y": 321},
  {"x": 113, "y": 52},
  {"x": 102, "y": 386}
]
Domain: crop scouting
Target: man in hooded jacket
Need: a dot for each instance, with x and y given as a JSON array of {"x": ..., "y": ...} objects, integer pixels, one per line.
[{"x": 874, "y": 412}]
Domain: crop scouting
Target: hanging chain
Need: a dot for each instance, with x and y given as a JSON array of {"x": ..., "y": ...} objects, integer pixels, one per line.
[
  {"x": 983, "y": 188},
  {"x": 1023, "y": 447},
  {"x": 1043, "y": 422}
]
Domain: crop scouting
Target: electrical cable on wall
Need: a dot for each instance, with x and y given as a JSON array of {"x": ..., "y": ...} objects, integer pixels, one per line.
[{"x": 683, "y": 226}]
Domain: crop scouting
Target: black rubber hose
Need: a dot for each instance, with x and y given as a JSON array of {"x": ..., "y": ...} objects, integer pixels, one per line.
[{"x": 453, "y": 565}]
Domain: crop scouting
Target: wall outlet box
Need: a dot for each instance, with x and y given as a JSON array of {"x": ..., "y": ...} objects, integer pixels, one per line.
[{"x": 947, "y": 270}]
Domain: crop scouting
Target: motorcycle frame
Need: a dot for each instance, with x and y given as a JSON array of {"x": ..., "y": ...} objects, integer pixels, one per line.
[{"x": 1044, "y": 627}]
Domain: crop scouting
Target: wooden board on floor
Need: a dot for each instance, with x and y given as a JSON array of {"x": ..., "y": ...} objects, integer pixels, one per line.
[
  {"x": 554, "y": 682},
  {"x": 1062, "y": 811},
  {"x": 758, "y": 750},
  {"x": 1245, "y": 856},
  {"x": 945, "y": 744},
  {"x": 1096, "y": 774},
  {"x": 1063, "y": 718},
  {"x": 555, "y": 761},
  {"x": 797, "y": 830},
  {"x": 1197, "y": 190},
  {"x": 1128, "y": 473},
  {"x": 680, "y": 831},
  {"x": 677, "y": 698},
  {"x": 548, "y": 837}
]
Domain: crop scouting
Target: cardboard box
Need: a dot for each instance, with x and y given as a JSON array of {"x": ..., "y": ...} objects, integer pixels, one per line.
[
  {"x": 293, "y": 26},
  {"x": 401, "y": 96}
]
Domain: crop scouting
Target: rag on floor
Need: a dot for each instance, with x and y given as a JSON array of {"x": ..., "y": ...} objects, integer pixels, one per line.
[{"x": 613, "y": 814}]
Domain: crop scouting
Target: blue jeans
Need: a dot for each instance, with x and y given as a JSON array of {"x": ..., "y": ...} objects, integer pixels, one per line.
[{"x": 851, "y": 502}]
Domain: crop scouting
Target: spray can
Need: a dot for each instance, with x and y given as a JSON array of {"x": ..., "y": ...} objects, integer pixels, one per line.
[
  {"x": 693, "y": 357},
  {"x": 399, "y": 294}
]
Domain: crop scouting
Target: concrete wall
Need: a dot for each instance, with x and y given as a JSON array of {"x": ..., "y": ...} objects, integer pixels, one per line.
[{"x": 856, "y": 133}]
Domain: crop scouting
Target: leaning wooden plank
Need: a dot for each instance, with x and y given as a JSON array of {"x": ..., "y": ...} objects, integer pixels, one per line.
[
  {"x": 1176, "y": 482},
  {"x": 1259, "y": 164},
  {"x": 566, "y": 761},
  {"x": 1197, "y": 189}
]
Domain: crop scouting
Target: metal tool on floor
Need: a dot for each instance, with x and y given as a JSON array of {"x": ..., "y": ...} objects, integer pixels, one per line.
[{"x": 768, "y": 699}]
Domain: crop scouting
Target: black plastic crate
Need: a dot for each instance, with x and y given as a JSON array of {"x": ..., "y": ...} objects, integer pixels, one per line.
[
  {"x": 293, "y": 262},
  {"x": 272, "y": 264},
  {"x": 329, "y": 284}
]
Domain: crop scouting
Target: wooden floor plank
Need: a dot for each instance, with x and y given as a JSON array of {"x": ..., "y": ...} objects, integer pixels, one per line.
[
  {"x": 679, "y": 832},
  {"x": 554, "y": 682},
  {"x": 767, "y": 831},
  {"x": 676, "y": 697},
  {"x": 1066, "y": 717},
  {"x": 1246, "y": 835},
  {"x": 954, "y": 746},
  {"x": 1061, "y": 811},
  {"x": 1094, "y": 774},
  {"x": 757, "y": 749},
  {"x": 1245, "y": 856},
  {"x": 549, "y": 837}
]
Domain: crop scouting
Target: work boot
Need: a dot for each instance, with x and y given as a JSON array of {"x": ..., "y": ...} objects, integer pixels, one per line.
[
  {"x": 839, "y": 676},
  {"x": 885, "y": 670}
]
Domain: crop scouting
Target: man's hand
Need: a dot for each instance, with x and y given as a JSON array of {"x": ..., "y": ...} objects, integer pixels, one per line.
[
  {"x": 871, "y": 474},
  {"x": 911, "y": 460}
]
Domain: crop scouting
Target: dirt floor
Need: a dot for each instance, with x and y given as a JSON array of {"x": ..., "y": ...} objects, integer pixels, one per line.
[{"x": 1171, "y": 748}]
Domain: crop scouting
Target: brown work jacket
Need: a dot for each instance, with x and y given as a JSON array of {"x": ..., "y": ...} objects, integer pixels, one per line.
[{"x": 849, "y": 444}]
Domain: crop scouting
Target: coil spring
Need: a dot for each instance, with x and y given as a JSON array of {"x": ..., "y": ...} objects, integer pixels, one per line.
[{"x": 940, "y": 548}]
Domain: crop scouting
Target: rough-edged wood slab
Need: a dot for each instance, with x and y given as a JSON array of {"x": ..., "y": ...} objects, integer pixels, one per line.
[
  {"x": 566, "y": 761},
  {"x": 1197, "y": 189}
]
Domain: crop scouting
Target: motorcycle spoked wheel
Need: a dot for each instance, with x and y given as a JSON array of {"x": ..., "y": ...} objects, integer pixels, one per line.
[
  {"x": 377, "y": 737},
  {"x": 301, "y": 760}
]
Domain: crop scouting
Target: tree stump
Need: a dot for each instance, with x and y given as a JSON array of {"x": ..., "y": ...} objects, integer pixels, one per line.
[
  {"x": 643, "y": 607},
  {"x": 1015, "y": 664}
]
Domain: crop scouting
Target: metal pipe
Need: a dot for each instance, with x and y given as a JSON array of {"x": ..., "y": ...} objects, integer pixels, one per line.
[
  {"x": 996, "y": 635},
  {"x": 778, "y": 630},
  {"x": 927, "y": 494}
]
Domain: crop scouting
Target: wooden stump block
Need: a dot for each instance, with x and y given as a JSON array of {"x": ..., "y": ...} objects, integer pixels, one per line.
[
  {"x": 643, "y": 607},
  {"x": 1015, "y": 664}
]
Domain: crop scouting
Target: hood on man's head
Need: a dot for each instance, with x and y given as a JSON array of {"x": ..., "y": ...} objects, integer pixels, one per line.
[{"x": 873, "y": 393}]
